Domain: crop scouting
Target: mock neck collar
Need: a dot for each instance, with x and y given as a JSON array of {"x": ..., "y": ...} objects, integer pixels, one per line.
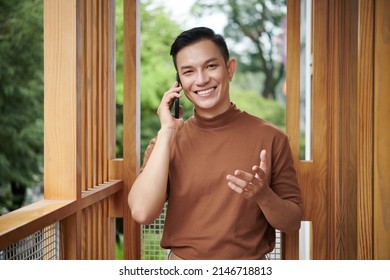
[{"x": 218, "y": 121}]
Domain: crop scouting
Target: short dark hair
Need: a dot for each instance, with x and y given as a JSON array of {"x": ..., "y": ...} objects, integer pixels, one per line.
[{"x": 195, "y": 35}]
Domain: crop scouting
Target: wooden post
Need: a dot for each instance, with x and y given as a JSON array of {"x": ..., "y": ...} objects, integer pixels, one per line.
[
  {"x": 131, "y": 124},
  {"x": 62, "y": 104}
]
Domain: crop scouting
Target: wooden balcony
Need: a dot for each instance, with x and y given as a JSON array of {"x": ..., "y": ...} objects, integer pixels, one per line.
[
  {"x": 85, "y": 186},
  {"x": 345, "y": 186}
]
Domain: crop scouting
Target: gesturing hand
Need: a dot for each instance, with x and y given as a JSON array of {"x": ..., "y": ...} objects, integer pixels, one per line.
[{"x": 250, "y": 184}]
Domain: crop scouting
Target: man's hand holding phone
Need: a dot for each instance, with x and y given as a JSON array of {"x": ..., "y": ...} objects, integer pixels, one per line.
[{"x": 164, "y": 110}]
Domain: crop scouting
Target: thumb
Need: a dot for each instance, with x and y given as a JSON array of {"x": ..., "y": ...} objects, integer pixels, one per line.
[{"x": 263, "y": 161}]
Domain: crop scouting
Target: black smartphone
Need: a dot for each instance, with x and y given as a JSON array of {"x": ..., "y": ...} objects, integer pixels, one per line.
[{"x": 177, "y": 100}]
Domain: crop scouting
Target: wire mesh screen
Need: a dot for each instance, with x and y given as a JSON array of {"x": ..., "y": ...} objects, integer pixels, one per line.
[
  {"x": 151, "y": 236},
  {"x": 44, "y": 244},
  {"x": 276, "y": 254}
]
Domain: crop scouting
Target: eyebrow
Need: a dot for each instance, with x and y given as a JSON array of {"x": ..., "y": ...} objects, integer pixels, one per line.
[{"x": 206, "y": 62}]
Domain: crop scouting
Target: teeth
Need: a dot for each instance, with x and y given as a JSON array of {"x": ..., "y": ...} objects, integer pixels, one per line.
[{"x": 205, "y": 92}]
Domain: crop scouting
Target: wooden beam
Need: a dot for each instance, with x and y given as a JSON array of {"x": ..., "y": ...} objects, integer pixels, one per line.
[
  {"x": 382, "y": 132},
  {"x": 21, "y": 223},
  {"x": 131, "y": 124},
  {"x": 290, "y": 242},
  {"x": 62, "y": 129},
  {"x": 365, "y": 130}
]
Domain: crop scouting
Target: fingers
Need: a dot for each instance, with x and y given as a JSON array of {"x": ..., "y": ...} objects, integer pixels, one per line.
[
  {"x": 263, "y": 161},
  {"x": 259, "y": 172},
  {"x": 168, "y": 99},
  {"x": 242, "y": 181},
  {"x": 237, "y": 184},
  {"x": 250, "y": 184}
]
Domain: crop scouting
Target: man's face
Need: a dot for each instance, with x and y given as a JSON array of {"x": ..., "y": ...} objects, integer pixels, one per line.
[{"x": 205, "y": 77}]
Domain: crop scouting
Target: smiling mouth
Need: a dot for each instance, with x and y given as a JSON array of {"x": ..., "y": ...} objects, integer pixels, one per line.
[{"x": 205, "y": 92}]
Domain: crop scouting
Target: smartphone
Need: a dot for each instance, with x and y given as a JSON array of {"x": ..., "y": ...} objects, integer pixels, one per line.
[{"x": 177, "y": 100}]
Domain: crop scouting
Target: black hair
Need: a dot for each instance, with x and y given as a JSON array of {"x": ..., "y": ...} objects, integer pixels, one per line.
[{"x": 195, "y": 35}]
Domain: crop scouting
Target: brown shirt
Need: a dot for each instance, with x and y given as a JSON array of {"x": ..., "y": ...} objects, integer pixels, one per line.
[{"x": 205, "y": 219}]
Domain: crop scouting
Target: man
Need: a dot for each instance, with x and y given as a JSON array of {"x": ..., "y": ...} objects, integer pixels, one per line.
[{"x": 228, "y": 176}]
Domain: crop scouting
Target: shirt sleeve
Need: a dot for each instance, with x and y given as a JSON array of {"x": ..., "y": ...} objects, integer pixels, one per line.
[
  {"x": 284, "y": 180},
  {"x": 148, "y": 152}
]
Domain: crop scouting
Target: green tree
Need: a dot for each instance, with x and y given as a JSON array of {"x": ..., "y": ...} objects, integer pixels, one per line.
[
  {"x": 254, "y": 25},
  {"x": 21, "y": 100}
]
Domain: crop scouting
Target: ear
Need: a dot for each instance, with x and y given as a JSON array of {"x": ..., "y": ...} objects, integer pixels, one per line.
[{"x": 231, "y": 67}]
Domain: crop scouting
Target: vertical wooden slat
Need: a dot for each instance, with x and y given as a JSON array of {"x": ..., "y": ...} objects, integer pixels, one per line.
[
  {"x": 99, "y": 82},
  {"x": 111, "y": 82},
  {"x": 382, "y": 132},
  {"x": 109, "y": 122},
  {"x": 99, "y": 230},
  {"x": 105, "y": 103},
  {"x": 106, "y": 238},
  {"x": 317, "y": 172},
  {"x": 131, "y": 123},
  {"x": 365, "y": 130},
  {"x": 70, "y": 237},
  {"x": 111, "y": 125},
  {"x": 112, "y": 239},
  {"x": 62, "y": 100},
  {"x": 95, "y": 45},
  {"x": 87, "y": 237},
  {"x": 79, "y": 115},
  {"x": 334, "y": 141},
  {"x": 84, "y": 235},
  {"x": 348, "y": 129},
  {"x": 83, "y": 96},
  {"x": 290, "y": 242},
  {"x": 89, "y": 58},
  {"x": 62, "y": 107}
]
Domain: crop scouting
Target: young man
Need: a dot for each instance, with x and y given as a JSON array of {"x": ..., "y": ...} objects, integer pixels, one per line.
[{"x": 228, "y": 176}]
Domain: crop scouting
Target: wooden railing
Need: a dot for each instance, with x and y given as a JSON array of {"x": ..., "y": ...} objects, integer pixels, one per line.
[{"x": 85, "y": 186}]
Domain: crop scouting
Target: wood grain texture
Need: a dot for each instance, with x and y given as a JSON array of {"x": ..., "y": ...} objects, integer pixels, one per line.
[
  {"x": 334, "y": 111},
  {"x": 25, "y": 221},
  {"x": 315, "y": 173},
  {"x": 346, "y": 248},
  {"x": 382, "y": 132},
  {"x": 131, "y": 124},
  {"x": 62, "y": 88},
  {"x": 365, "y": 130},
  {"x": 290, "y": 242},
  {"x": 327, "y": 182}
]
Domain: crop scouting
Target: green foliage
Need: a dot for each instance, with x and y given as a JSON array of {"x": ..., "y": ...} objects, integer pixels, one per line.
[
  {"x": 21, "y": 99},
  {"x": 150, "y": 247},
  {"x": 267, "y": 109},
  {"x": 157, "y": 71}
]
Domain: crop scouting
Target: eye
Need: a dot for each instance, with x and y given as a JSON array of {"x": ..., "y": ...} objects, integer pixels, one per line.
[
  {"x": 187, "y": 72},
  {"x": 212, "y": 66}
]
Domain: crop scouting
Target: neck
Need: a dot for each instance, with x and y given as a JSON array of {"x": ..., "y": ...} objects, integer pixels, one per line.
[{"x": 210, "y": 113}]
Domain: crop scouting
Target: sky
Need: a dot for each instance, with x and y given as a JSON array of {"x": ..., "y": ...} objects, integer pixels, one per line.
[{"x": 181, "y": 13}]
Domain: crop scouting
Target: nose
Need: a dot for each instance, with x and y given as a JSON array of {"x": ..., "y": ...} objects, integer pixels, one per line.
[{"x": 202, "y": 78}]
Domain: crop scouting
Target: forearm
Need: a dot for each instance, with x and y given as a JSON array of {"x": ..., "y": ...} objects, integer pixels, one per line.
[
  {"x": 148, "y": 193},
  {"x": 282, "y": 214}
]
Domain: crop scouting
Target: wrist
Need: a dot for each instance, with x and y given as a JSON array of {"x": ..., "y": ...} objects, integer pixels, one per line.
[{"x": 167, "y": 134}]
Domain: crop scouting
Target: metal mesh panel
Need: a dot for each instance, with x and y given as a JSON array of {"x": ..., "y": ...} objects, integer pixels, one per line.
[
  {"x": 276, "y": 254},
  {"x": 42, "y": 245},
  {"x": 151, "y": 236}
]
